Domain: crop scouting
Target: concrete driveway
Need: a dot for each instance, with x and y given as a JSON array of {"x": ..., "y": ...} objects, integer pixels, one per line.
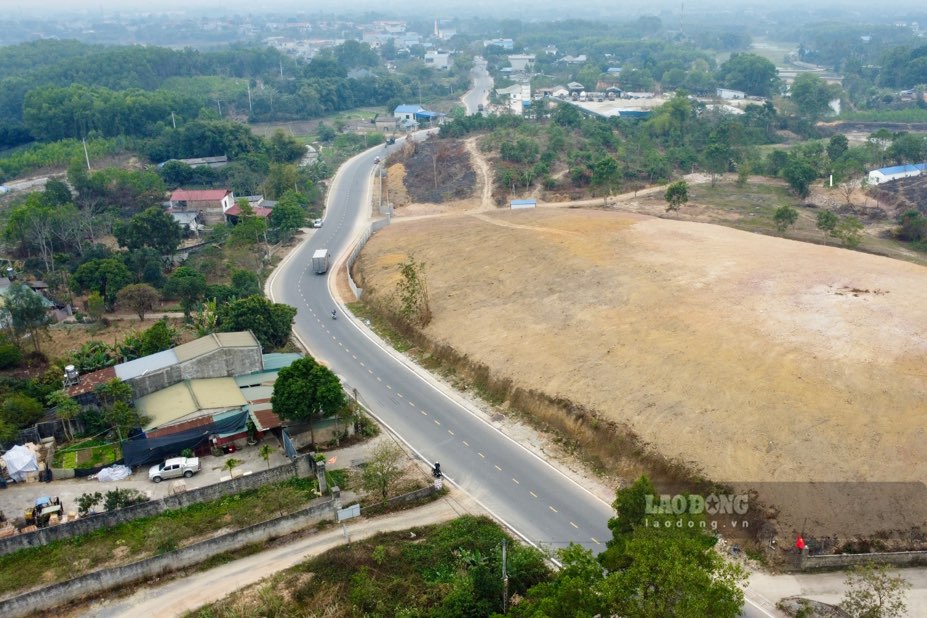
[{"x": 19, "y": 496}]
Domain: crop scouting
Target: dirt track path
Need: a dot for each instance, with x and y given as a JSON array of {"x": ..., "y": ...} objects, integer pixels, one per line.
[
  {"x": 183, "y": 595},
  {"x": 484, "y": 173}
]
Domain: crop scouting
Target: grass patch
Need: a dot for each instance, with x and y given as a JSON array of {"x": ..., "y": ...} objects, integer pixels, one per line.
[
  {"x": 424, "y": 571},
  {"x": 149, "y": 536},
  {"x": 380, "y": 326},
  {"x": 89, "y": 454}
]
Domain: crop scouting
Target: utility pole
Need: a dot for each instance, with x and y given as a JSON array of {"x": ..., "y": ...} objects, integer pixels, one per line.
[
  {"x": 86, "y": 154},
  {"x": 250, "y": 106},
  {"x": 380, "y": 174},
  {"x": 173, "y": 120},
  {"x": 219, "y": 105},
  {"x": 505, "y": 581}
]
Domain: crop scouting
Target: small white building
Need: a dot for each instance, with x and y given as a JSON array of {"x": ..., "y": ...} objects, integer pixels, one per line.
[
  {"x": 888, "y": 174},
  {"x": 438, "y": 59},
  {"x": 730, "y": 95}
]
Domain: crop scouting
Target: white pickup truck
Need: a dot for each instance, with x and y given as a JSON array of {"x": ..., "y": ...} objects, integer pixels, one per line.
[{"x": 174, "y": 468}]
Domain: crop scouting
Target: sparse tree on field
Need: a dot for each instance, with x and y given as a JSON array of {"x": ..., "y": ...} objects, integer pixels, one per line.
[
  {"x": 850, "y": 231},
  {"x": 874, "y": 592},
  {"x": 95, "y": 306},
  {"x": 139, "y": 297},
  {"x": 676, "y": 195},
  {"x": 784, "y": 217},
  {"x": 384, "y": 469},
  {"x": 848, "y": 188},
  {"x": 827, "y": 222},
  {"x": 413, "y": 292},
  {"x": 26, "y": 311}
]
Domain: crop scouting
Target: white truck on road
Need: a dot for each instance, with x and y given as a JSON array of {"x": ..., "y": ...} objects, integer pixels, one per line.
[{"x": 320, "y": 261}]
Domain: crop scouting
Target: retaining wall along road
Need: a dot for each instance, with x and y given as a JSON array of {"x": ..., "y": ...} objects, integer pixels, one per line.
[{"x": 55, "y": 595}]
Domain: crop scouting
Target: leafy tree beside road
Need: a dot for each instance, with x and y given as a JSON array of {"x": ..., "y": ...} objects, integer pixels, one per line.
[
  {"x": 307, "y": 390},
  {"x": 270, "y": 322},
  {"x": 139, "y": 297}
]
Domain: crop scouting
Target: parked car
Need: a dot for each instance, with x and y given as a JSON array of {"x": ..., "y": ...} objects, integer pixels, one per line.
[
  {"x": 174, "y": 468},
  {"x": 316, "y": 223}
]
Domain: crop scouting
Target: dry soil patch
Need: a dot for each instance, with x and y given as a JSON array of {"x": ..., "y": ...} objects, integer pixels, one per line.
[{"x": 754, "y": 358}]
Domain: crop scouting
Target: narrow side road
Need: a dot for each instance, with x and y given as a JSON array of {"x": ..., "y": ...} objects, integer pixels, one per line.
[{"x": 185, "y": 594}]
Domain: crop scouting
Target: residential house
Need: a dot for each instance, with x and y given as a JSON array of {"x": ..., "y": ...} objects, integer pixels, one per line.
[
  {"x": 211, "y": 203},
  {"x": 506, "y": 44},
  {"x": 522, "y": 63},
  {"x": 730, "y": 95},
  {"x": 438, "y": 59}
]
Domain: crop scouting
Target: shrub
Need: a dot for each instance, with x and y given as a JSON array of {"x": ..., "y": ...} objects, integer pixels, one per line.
[{"x": 10, "y": 356}]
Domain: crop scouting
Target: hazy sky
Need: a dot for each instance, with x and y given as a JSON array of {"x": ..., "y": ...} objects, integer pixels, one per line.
[{"x": 456, "y": 6}]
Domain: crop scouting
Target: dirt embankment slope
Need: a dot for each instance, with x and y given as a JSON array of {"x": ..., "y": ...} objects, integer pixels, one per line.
[{"x": 755, "y": 358}]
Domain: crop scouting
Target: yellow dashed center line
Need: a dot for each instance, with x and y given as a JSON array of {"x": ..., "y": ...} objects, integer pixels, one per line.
[
  {"x": 482, "y": 455},
  {"x": 595, "y": 540},
  {"x": 450, "y": 432},
  {"x": 552, "y": 509},
  {"x": 514, "y": 480},
  {"x": 574, "y": 525},
  {"x": 411, "y": 404},
  {"x": 533, "y": 495},
  {"x": 497, "y": 468},
  {"x": 424, "y": 413},
  {"x": 465, "y": 443},
  {"x": 437, "y": 422}
]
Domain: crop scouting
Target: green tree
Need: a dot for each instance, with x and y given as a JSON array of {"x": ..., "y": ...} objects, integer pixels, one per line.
[
  {"x": 106, "y": 276},
  {"x": 307, "y": 390},
  {"x": 812, "y": 95},
  {"x": 912, "y": 226},
  {"x": 153, "y": 227},
  {"x": 850, "y": 231},
  {"x": 188, "y": 286},
  {"x": 21, "y": 411},
  {"x": 122, "y": 418},
  {"x": 799, "y": 174},
  {"x": 138, "y": 297},
  {"x": 784, "y": 217},
  {"x": 384, "y": 469},
  {"x": 113, "y": 392},
  {"x": 837, "y": 146},
  {"x": 827, "y": 222},
  {"x": 270, "y": 322},
  {"x": 751, "y": 73},
  {"x": 630, "y": 510},
  {"x": 676, "y": 195},
  {"x": 230, "y": 464},
  {"x": 245, "y": 283},
  {"x": 27, "y": 312},
  {"x": 412, "y": 292},
  {"x": 606, "y": 174},
  {"x": 696, "y": 581},
  {"x": 285, "y": 219},
  {"x": 265, "y": 452},
  {"x": 95, "y": 306},
  {"x": 874, "y": 592},
  {"x": 282, "y": 148},
  {"x": 66, "y": 409}
]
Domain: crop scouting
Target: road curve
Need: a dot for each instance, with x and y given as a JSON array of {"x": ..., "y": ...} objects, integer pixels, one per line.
[{"x": 526, "y": 493}]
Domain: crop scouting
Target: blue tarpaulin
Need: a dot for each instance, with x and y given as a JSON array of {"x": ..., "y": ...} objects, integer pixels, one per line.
[{"x": 142, "y": 450}]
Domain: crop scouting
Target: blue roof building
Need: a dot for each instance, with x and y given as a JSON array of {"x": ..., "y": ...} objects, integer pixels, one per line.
[{"x": 887, "y": 174}]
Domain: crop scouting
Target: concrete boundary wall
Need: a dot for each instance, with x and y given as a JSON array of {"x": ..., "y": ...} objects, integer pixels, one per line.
[
  {"x": 841, "y": 561},
  {"x": 55, "y": 595},
  {"x": 303, "y": 466},
  {"x": 376, "y": 226}
]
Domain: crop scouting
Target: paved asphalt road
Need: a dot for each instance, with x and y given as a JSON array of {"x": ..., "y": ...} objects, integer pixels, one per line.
[
  {"x": 482, "y": 84},
  {"x": 530, "y": 496}
]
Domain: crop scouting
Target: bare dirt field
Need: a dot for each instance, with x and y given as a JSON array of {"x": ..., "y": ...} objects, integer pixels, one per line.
[{"x": 752, "y": 358}]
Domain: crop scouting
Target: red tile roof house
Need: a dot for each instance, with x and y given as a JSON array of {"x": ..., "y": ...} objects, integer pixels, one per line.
[{"x": 213, "y": 203}]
